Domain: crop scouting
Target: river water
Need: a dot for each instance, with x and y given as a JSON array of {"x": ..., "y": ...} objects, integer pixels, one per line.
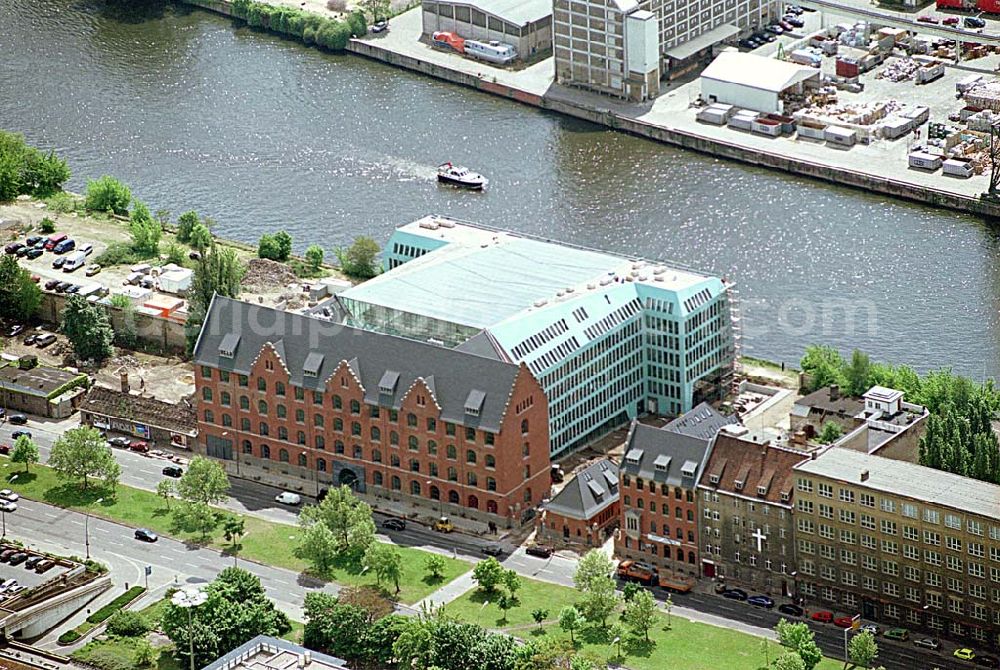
[{"x": 262, "y": 133}]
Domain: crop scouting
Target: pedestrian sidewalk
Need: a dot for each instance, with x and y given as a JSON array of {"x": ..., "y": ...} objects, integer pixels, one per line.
[{"x": 453, "y": 590}]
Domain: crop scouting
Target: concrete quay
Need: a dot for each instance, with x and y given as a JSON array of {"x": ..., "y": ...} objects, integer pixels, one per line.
[{"x": 878, "y": 168}]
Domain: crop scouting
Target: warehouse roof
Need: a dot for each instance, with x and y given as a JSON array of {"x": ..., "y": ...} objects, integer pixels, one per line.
[
  {"x": 39, "y": 381},
  {"x": 386, "y": 366},
  {"x": 176, "y": 417},
  {"x": 750, "y": 70},
  {"x": 707, "y": 39},
  {"x": 519, "y": 12},
  {"x": 591, "y": 491},
  {"x": 908, "y": 480}
]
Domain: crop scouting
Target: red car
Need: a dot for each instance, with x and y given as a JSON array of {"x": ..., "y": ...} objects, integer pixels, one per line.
[
  {"x": 926, "y": 18},
  {"x": 844, "y": 621},
  {"x": 951, "y": 21},
  {"x": 4, "y": 449},
  {"x": 139, "y": 445},
  {"x": 822, "y": 616}
]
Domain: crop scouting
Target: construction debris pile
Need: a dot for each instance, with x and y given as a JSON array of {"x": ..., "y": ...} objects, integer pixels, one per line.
[
  {"x": 901, "y": 69},
  {"x": 263, "y": 274}
]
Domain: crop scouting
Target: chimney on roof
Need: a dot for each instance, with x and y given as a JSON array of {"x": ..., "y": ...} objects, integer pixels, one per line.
[
  {"x": 834, "y": 392},
  {"x": 123, "y": 376},
  {"x": 864, "y": 475}
]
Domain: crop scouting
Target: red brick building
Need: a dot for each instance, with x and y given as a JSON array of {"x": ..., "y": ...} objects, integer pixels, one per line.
[
  {"x": 305, "y": 404},
  {"x": 585, "y": 509},
  {"x": 659, "y": 497}
]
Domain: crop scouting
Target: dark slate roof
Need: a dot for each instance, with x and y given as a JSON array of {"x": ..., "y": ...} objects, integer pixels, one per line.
[
  {"x": 704, "y": 421},
  {"x": 823, "y": 401},
  {"x": 39, "y": 381},
  {"x": 647, "y": 446},
  {"x": 481, "y": 345},
  {"x": 752, "y": 469},
  {"x": 450, "y": 374},
  {"x": 591, "y": 491}
]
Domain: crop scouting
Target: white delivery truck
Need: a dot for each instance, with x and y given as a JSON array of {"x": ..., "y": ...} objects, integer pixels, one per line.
[{"x": 74, "y": 261}]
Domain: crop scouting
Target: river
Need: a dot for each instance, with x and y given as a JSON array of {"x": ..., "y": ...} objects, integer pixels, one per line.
[{"x": 262, "y": 133}]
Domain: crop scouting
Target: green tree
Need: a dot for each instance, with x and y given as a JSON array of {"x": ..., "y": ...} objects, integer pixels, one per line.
[
  {"x": 196, "y": 517},
  {"x": 185, "y": 224},
  {"x": 369, "y": 599},
  {"x": 19, "y": 295},
  {"x": 284, "y": 242},
  {"x": 319, "y": 546},
  {"x": 376, "y": 9},
  {"x": 858, "y": 373},
  {"x": 347, "y": 517},
  {"x": 145, "y": 230},
  {"x": 789, "y": 660},
  {"x": 219, "y": 271},
  {"x": 166, "y": 490},
  {"x": 267, "y": 247},
  {"x": 25, "y": 451},
  {"x": 333, "y": 627},
  {"x": 203, "y": 482},
  {"x": 488, "y": 574},
  {"x": 570, "y": 620},
  {"x": 127, "y": 623},
  {"x": 201, "y": 238},
  {"x": 314, "y": 256},
  {"x": 435, "y": 567},
  {"x": 629, "y": 591},
  {"x": 82, "y": 453},
  {"x": 798, "y": 637},
  {"x": 107, "y": 194},
  {"x": 47, "y": 226},
  {"x": 640, "y": 614},
  {"x": 862, "y": 649},
  {"x": 175, "y": 253},
  {"x": 233, "y": 528},
  {"x": 360, "y": 259},
  {"x": 88, "y": 329},
  {"x": 539, "y": 615},
  {"x": 825, "y": 365},
  {"x": 26, "y": 170},
  {"x": 385, "y": 561},
  {"x": 830, "y": 433},
  {"x": 143, "y": 655},
  {"x": 593, "y": 580}
]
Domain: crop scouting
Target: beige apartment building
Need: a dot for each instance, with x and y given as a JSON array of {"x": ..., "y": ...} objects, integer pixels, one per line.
[{"x": 899, "y": 543}]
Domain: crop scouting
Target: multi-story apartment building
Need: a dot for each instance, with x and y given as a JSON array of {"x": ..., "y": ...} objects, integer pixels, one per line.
[
  {"x": 659, "y": 478},
  {"x": 746, "y": 514},
  {"x": 900, "y": 543},
  {"x": 305, "y": 404},
  {"x": 608, "y": 337}
]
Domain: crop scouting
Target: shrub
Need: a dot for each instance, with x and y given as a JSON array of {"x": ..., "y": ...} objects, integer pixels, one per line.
[
  {"x": 118, "y": 253},
  {"x": 103, "y": 614},
  {"x": 62, "y": 203},
  {"x": 268, "y": 247},
  {"x": 125, "y": 623},
  {"x": 106, "y": 658},
  {"x": 357, "y": 23},
  {"x": 185, "y": 223},
  {"x": 69, "y": 637},
  {"x": 309, "y": 34},
  {"x": 107, "y": 194},
  {"x": 47, "y": 226}
]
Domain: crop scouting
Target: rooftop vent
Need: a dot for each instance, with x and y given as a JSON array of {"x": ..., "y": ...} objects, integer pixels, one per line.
[{"x": 864, "y": 475}]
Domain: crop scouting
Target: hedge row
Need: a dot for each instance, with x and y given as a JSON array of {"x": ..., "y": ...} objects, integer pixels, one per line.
[
  {"x": 69, "y": 637},
  {"x": 309, "y": 27},
  {"x": 121, "y": 601}
]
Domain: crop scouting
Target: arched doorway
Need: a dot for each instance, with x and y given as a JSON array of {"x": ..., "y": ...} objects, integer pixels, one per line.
[
  {"x": 453, "y": 497},
  {"x": 347, "y": 478},
  {"x": 491, "y": 506},
  {"x": 473, "y": 502},
  {"x": 435, "y": 493}
]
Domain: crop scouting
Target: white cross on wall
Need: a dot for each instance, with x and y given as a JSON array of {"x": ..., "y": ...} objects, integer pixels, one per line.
[{"x": 760, "y": 537}]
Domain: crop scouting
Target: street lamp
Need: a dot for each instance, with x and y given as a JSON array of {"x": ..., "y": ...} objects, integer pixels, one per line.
[
  {"x": 86, "y": 527},
  {"x": 189, "y": 599}
]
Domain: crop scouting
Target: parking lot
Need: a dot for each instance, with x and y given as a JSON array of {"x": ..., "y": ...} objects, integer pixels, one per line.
[{"x": 26, "y": 577}]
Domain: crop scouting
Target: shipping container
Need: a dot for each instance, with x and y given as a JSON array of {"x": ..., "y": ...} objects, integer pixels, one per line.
[
  {"x": 959, "y": 167},
  {"x": 839, "y": 135},
  {"x": 953, "y": 4},
  {"x": 768, "y": 127},
  {"x": 847, "y": 67},
  {"x": 925, "y": 161},
  {"x": 990, "y": 6}
]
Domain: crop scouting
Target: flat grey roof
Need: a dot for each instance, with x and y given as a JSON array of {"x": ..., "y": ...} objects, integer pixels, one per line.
[
  {"x": 710, "y": 38},
  {"x": 907, "y": 480},
  {"x": 519, "y": 12}
]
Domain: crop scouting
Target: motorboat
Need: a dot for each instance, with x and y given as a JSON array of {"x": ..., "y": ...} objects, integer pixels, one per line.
[{"x": 456, "y": 175}]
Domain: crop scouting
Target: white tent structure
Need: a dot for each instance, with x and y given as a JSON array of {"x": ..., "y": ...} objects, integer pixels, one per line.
[{"x": 754, "y": 82}]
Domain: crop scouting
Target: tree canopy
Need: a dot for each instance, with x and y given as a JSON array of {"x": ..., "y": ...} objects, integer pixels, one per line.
[
  {"x": 19, "y": 295},
  {"x": 593, "y": 579},
  {"x": 83, "y": 453},
  {"x": 25, "y": 170},
  {"x": 204, "y": 481},
  {"x": 88, "y": 329}
]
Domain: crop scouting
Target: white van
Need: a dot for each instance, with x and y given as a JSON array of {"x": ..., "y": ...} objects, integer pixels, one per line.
[{"x": 74, "y": 261}]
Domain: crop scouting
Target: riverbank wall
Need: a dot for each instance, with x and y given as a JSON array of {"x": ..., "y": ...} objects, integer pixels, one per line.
[{"x": 564, "y": 104}]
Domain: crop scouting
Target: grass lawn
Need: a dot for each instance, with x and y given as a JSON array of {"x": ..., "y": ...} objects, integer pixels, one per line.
[
  {"x": 685, "y": 645},
  {"x": 265, "y": 541}
]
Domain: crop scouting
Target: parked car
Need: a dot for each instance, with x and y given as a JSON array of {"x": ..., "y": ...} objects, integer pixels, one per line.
[
  {"x": 6, "y": 554},
  {"x": 18, "y": 433},
  {"x": 380, "y": 26},
  {"x": 950, "y": 21},
  {"x": 987, "y": 661},
  {"x": 18, "y": 558},
  {"x": 7, "y": 585},
  {"x": 18, "y": 419},
  {"x": 794, "y": 21},
  {"x": 33, "y": 253},
  {"x": 22, "y": 251},
  {"x": 794, "y": 9},
  {"x": 822, "y": 616},
  {"x": 33, "y": 562},
  {"x": 288, "y": 498},
  {"x": 32, "y": 240},
  {"x": 844, "y": 621},
  {"x": 926, "y": 18},
  {"x": 871, "y": 628},
  {"x": 538, "y": 550},
  {"x": 964, "y": 653},
  {"x": 140, "y": 446},
  {"x": 44, "y": 565},
  {"x": 4, "y": 449},
  {"x": 931, "y": 643},
  {"x": 761, "y": 601},
  {"x": 974, "y": 22},
  {"x": 173, "y": 471},
  {"x": 786, "y": 26},
  {"x": 16, "y": 330},
  {"x": 87, "y": 248},
  {"x": 7, "y": 506},
  {"x": 11, "y": 496},
  {"x": 775, "y": 29},
  {"x": 63, "y": 247},
  {"x": 51, "y": 284},
  {"x": 57, "y": 263},
  {"x": 900, "y": 634},
  {"x": 73, "y": 288},
  {"x": 146, "y": 535},
  {"x": 493, "y": 550},
  {"x": 63, "y": 286},
  {"x": 12, "y": 247},
  {"x": 45, "y": 340},
  {"x": 120, "y": 442},
  {"x": 735, "y": 594},
  {"x": 92, "y": 270},
  {"x": 394, "y": 524},
  {"x": 791, "y": 610}
]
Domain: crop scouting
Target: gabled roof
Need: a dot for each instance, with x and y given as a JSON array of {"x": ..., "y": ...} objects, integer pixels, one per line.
[
  {"x": 591, "y": 491},
  {"x": 755, "y": 465},
  {"x": 374, "y": 357},
  {"x": 703, "y": 422},
  {"x": 660, "y": 455},
  {"x": 760, "y": 72}
]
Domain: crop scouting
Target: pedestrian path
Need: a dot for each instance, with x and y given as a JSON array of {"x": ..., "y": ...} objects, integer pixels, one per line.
[{"x": 453, "y": 590}]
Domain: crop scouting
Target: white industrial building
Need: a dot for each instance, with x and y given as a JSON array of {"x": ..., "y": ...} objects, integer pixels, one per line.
[
  {"x": 755, "y": 82},
  {"x": 524, "y": 24}
]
